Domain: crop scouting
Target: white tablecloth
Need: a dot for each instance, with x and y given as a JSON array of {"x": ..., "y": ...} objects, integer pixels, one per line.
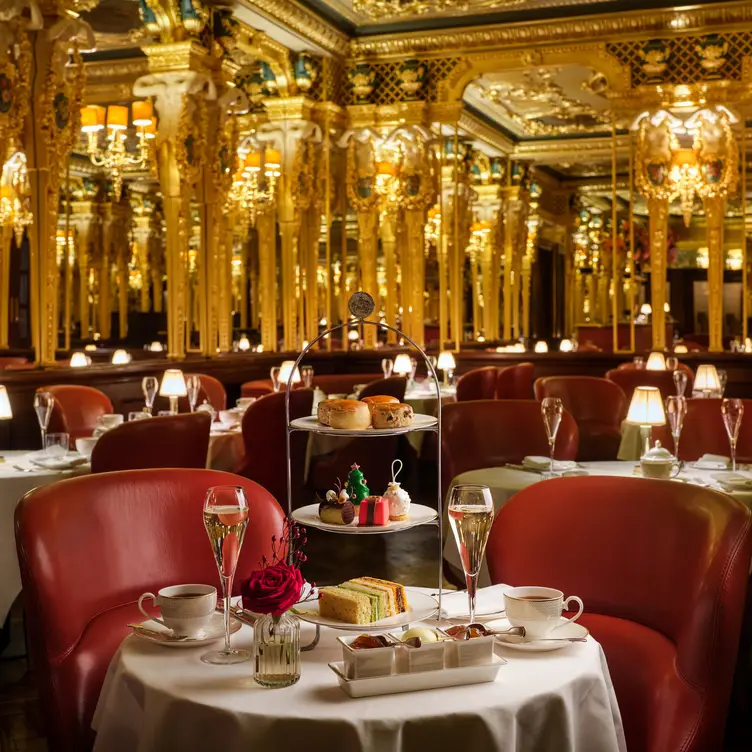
[
  {"x": 504, "y": 482},
  {"x": 165, "y": 699}
]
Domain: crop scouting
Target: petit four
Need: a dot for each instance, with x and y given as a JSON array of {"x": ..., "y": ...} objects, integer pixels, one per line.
[
  {"x": 391, "y": 415},
  {"x": 369, "y": 642},
  {"x": 398, "y": 498},
  {"x": 349, "y": 415},
  {"x": 362, "y": 600},
  {"x": 336, "y": 508},
  {"x": 373, "y": 511},
  {"x": 421, "y": 634},
  {"x": 356, "y": 485}
]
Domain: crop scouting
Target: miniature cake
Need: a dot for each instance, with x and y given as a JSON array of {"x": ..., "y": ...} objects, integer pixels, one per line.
[
  {"x": 373, "y": 511},
  {"x": 391, "y": 415},
  {"x": 337, "y": 509}
]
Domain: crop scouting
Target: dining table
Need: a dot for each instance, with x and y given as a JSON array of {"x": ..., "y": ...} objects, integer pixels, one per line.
[
  {"x": 160, "y": 698},
  {"x": 504, "y": 482}
]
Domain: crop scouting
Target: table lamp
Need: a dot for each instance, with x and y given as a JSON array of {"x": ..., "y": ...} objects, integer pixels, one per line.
[
  {"x": 156, "y": 347},
  {"x": 646, "y": 411},
  {"x": 566, "y": 345},
  {"x": 244, "y": 344},
  {"x": 284, "y": 373},
  {"x": 173, "y": 386},
  {"x": 79, "y": 360},
  {"x": 120, "y": 357},
  {"x": 541, "y": 347},
  {"x": 445, "y": 363},
  {"x": 5, "y": 412},
  {"x": 402, "y": 365},
  {"x": 707, "y": 381},
  {"x": 681, "y": 349},
  {"x": 656, "y": 362}
]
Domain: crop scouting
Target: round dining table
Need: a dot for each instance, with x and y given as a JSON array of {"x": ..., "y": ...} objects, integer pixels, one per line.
[{"x": 166, "y": 699}]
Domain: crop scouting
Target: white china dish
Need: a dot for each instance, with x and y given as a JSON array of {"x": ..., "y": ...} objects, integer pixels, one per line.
[
  {"x": 367, "y": 663},
  {"x": 562, "y": 638},
  {"x": 213, "y": 632},
  {"x": 63, "y": 462},
  {"x": 419, "y": 515},
  {"x": 311, "y": 423}
]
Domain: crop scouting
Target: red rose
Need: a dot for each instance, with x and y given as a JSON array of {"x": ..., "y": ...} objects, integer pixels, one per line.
[{"x": 273, "y": 590}]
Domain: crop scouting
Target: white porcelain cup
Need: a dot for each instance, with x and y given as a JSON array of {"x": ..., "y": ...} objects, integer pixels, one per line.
[
  {"x": 110, "y": 420},
  {"x": 230, "y": 418},
  {"x": 85, "y": 445},
  {"x": 186, "y": 609},
  {"x": 660, "y": 470},
  {"x": 538, "y": 609}
]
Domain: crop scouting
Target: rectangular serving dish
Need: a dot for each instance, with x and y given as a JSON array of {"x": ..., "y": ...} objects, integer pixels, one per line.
[{"x": 415, "y": 682}]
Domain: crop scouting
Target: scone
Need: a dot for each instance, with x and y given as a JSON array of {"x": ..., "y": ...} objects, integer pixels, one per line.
[
  {"x": 390, "y": 415},
  {"x": 323, "y": 410},
  {"x": 379, "y": 399},
  {"x": 349, "y": 415}
]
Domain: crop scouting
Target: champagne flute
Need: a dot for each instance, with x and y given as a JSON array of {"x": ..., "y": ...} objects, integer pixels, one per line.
[
  {"x": 471, "y": 513},
  {"x": 672, "y": 363},
  {"x": 680, "y": 381},
  {"x": 676, "y": 410},
  {"x": 639, "y": 362},
  {"x": 387, "y": 366},
  {"x": 274, "y": 373},
  {"x": 43, "y": 404},
  {"x": 413, "y": 368},
  {"x": 551, "y": 410},
  {"x": 306, "y": 373},
  {"x": 193, "y": 387},
  {"x": 149, "y": 386},
  {"x": 732, "y": 411},
  {"x": 225, "y": 520}
]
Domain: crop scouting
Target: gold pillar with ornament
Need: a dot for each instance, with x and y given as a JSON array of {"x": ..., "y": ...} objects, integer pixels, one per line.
[
  {"x": 715, "y": 209},
  {"x": 658, "y": 228}
]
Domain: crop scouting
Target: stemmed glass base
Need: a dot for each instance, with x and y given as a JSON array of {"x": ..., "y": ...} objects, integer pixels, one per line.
[{"x": 226, "y": 657}]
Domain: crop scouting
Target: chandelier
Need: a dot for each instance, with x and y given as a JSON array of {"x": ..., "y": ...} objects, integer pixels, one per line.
[
  {"x": 15, "y": 199},
  {"x": 254, "y": 185},
  {"x": 113, "y": 154}
]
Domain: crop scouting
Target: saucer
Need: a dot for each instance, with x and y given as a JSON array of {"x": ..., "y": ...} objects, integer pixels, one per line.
[
  {"x": 572, "y": 629},
  {"x": 214, "y": 631}
]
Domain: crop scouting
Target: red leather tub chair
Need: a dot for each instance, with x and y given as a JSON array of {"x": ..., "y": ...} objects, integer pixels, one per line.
[
  {"x": 478, "y": 384},
  {"x": 630, "y": 378},
  {"x": 662, "y": 570},
  {"x": 76, "y": 409},
  {"x": 211, "y": 391},
  {"x": 515, "y": 382},
  {"x": 89, "y": 547}
]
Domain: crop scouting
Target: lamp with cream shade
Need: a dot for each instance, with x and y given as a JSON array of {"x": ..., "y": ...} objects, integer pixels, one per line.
[
  {"x": 656, "y": 362},
  {"x": 541, "y": 347},
  {"x": 707, "y": 381},
  {"x": 447, "y": 364},
  {"x": 403, "y": 365},
  {"x": 284, "y": 373},
  {"x": 566, "y": 345},
  {"x": 79, "y": 360},
  {"x": 173, "y": 386},
  {"x": 646, "y": 410},
  {"x": 120, "y": 357},
  {"x": 5, "y": 412},
  {"x": 681, "y": 349}
]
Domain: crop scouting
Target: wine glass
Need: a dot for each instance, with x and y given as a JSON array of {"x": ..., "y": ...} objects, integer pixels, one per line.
[
  {"x": 274, "y": 373},
  {"x": 676, "y": 410},
  {"x": 471, "y": 513},
  {"x": 43, "y": 404},
  {"x": 672, "y": 363},
  {"x": 193, "y": 387},
  {"x": 680, "y": 381},
  {"x": 387, "y": 366},
  {"x": 732, "y": 411},
  {"x": 551, "y": 410},
  {"x": 225, "y": 520},
  {"x": 722, "y": 379},
  {"x": 639, "y": 362},
  {"x": 149, "y": 386},
  {"x": 413, "y": 368},
  {"x": 306, "y": 373}
]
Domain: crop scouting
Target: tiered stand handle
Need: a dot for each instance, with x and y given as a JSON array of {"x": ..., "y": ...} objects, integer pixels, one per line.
[{"x": 361, "y": 305}]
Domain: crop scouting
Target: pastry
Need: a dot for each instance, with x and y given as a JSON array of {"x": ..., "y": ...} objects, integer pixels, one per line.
[
  {"x": 422, "y": 633},
  {"x": 398, "y": 498},
  {"x": 368, "y": 642},
  {"x": 379, "y": 598},
  {"x": 323, "y": 411},
  {"x": 373, "y": 511},
  {"x": 380, "y": 399},
  {"x": 390, "y": 415},
  {"x": 362, "y": 600},
  {"x": 349, "y": 415},
  {"x": 356, "y": 486},
  {"x": 336, "y": 508}
]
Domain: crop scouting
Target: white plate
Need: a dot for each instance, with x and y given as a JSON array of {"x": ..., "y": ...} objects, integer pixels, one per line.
[
  {"x": 419, "y": 515},
  {"x": 396, "y": 683},
  {"x": 310, "y": 423},
  {"x": 213, "y": 632},
  {"x": 573, "y": 629},
  {"x": 420, "y": 607},
  {"x": 59, "y": 463},
  {"x": 708, "y": 465}
]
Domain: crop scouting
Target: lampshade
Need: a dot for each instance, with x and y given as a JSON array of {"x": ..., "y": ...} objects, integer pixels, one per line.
[
  {"x": 518, "y": 347},
  {"x": 566, "y": 345},
  {"x": 402, "y": 365},
  {"x": 446, "y": 361},
  {"x": 272, "y": 159},
  {"x": 117, "y": 117},
  {"x": 681, "y": 349},
  {"x": 150, "y": 131},
  {"x": 706, "y": 379},
  {"x": 156, "y": 347},
  {"x": 385, "y": 168},
  {"x": 667, "y": 307},
  {"x": 646, "y": 407},
  {"x": 173, "y": 384},
  {"x": 541, "y": 346},
  {"x": 646, "y": 309},
  {"x": 5, "y": 412},
  {"x": 656, "y": 362},
  {"x": 748, "y": 344},
  {"x": 142, "y": 113},
  {"x": 79, "y": 360},
  {"x": 252, "y": 161},
  {"x": 353, "y": 335},
  {"x": 92, "y": 118},
  {"x": 120, "y": 357},
  {"x": 90, "y": 348},
  {"x": 244, "y": 344},
  {"x": 285, "y": 370}
]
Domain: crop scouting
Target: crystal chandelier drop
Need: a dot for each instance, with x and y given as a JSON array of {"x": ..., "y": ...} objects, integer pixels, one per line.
[
  {"x": 15, "y": 211},
  {"x": 113, "y": 155},
  {"x": 254, "y": 185}
]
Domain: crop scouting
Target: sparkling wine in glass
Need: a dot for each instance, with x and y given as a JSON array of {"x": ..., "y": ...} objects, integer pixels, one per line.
[
  {"x": 676, "y": 410},
  {"x": 680, "y": 381},
  {"x": 193, "y": 387},
  {"x": 306, "y": 373},
  {"x": 149, "y": 386},
  {"x": 387, "y": 366},
  {"x": 551, "y": 410},
  {"x": 43, "y": 404},
  {"x": 471, "y": 513},
  {"x": 732, "y": 411},
  {"x": 672, "y": 363},
  {"x": 274, "y": 373},
  {"x": 225, "y": 520}
]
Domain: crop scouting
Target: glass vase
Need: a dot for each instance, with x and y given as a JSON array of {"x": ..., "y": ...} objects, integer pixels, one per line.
[{"x": 276, "y": 650}]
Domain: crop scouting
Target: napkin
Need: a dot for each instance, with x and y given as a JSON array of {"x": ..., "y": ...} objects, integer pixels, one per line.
[
  {"x": 544, "y": 463},
  {"x": 488, "y": 600},
  {"x": 733, "y": 481},
  {"x": 711, "y": 462}
]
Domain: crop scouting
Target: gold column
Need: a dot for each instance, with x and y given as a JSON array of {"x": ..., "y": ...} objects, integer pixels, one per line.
[
  {"x": 310, "y": 252},
  {"x": 414, "y": 225},
  {"x": 456, "y": 281},
  {"x": 141, "y": 237},
  {"x": 6, "y": 240},
  {"x": 714, "y": 213},
  {"x": 510, "y": 195},
  {"x": 156, "y": 250},
  {"x": 658, "y": 213},
  {"x": 388, "y": 227},
  {"x": 103, "y": 272},
  {"x": 267, "y": 237},
  {"x": 526, "y": 281},
  {"x": 367, "y": 256}
]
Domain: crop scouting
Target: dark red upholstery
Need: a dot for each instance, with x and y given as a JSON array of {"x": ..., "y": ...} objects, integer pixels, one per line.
[
  {"x": 211, "y": 391},
  {"x": 164, "y": 441},
  {"x": 256, "y": 388},
  {"x": 12, "y": 361},
  {"x": 490, "y": 433},
  {"x": 662, "y": 570},
  {"x": 392, "y": 387},
  {"x": 597, "y": 405},
  {"x": 76, "y": 409},
  {"x": 478, "y": 384},
  {"x": 341, "y": 383},
  {"x": 515, "y": 382},
  {"x": 630, "y": 378},
  {"x": 264, "y": 436},
  {"x": 89, "y": 547}
]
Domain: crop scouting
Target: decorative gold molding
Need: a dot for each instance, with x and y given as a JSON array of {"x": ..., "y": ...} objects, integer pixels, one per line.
[
  {"x": 131, "y": 68},
  {"x": 598, "y": 28},
  {"x": 177, "y": 56},
  {"x": 476, "y": 128},
  {"x": 584, "y": 149}
]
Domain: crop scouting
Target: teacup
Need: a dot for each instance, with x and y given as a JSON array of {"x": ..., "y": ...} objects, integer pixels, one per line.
[
  {"x": 538, "y": 610},
  {"x": 110, "y": 420},
  {"x": 230, "y": 418},
  {"x": 244, "y": 403},
  {"x": 85, "y": 445},
  {"x": 659, "y": 463},
  {"x": 186, "y": 609}
]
